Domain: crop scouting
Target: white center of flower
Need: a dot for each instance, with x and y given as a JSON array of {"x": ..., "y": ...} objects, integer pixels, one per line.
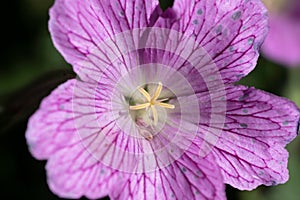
[{"x": 151, "y": 102}]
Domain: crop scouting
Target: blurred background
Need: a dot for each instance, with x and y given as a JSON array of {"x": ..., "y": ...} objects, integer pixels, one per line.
[{"x": 31, "y": 68}]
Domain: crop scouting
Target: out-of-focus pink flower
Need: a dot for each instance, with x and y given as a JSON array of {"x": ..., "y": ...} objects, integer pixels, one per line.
[
  {"x": 282, "y": 44},
  {"x": 154, "y": 113}
]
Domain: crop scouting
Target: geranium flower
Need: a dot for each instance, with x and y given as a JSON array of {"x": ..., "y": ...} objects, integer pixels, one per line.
[
  {"x": 282, "y": 44},
  {"x": 153, "y": 113}
]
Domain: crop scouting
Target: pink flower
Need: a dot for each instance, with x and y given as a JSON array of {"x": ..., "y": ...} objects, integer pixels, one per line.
[
  {"x": 154, "y": 113},
  {"x": 282, "y": 44}
]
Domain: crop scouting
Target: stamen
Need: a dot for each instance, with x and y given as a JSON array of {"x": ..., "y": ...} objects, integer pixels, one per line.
[
  {"x": 140, "y": 106},
  {"x": 157, "y": 92},
  {"x": 165, "y": 105},
  {"x": 165, "y": 99},
  {"x": 152, "y": 102},
  {"x": 145, "y": 93}
]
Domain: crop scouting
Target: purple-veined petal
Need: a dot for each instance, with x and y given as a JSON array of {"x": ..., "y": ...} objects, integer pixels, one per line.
[
  {"x": 73, "y": 172},
  {"x": 251, "y": 149},
  {"x": 54, "y": 133},
  {"x": 52, "y": 127},
  {"x": 230, "y": 31},
  {"x": 190, "y": 177},
  {"x": 77, "y": 27}
]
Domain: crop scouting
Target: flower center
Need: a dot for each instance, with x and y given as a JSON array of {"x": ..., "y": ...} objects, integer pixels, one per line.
[{"x": 151, "y": 103}]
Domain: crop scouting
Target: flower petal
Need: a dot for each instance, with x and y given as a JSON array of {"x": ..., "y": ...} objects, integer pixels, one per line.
[
  {"x": 187, "y": 178},
  {"x": 73, "y": 172},
  {"x": 56, "y": 132},
  {"x": 230, "y": 31},
  {"x": 282, "y": 43},
  {"x": 52, "y": 127},
  {"x": 250, "y": 149},
  {"x": 77, "y": 27}
]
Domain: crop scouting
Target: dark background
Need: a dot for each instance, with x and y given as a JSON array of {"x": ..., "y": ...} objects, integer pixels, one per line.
[{"x": 31, "y": 67}]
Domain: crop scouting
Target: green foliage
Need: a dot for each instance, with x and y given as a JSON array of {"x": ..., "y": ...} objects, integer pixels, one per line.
[{"x": 164, "y": 4}]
